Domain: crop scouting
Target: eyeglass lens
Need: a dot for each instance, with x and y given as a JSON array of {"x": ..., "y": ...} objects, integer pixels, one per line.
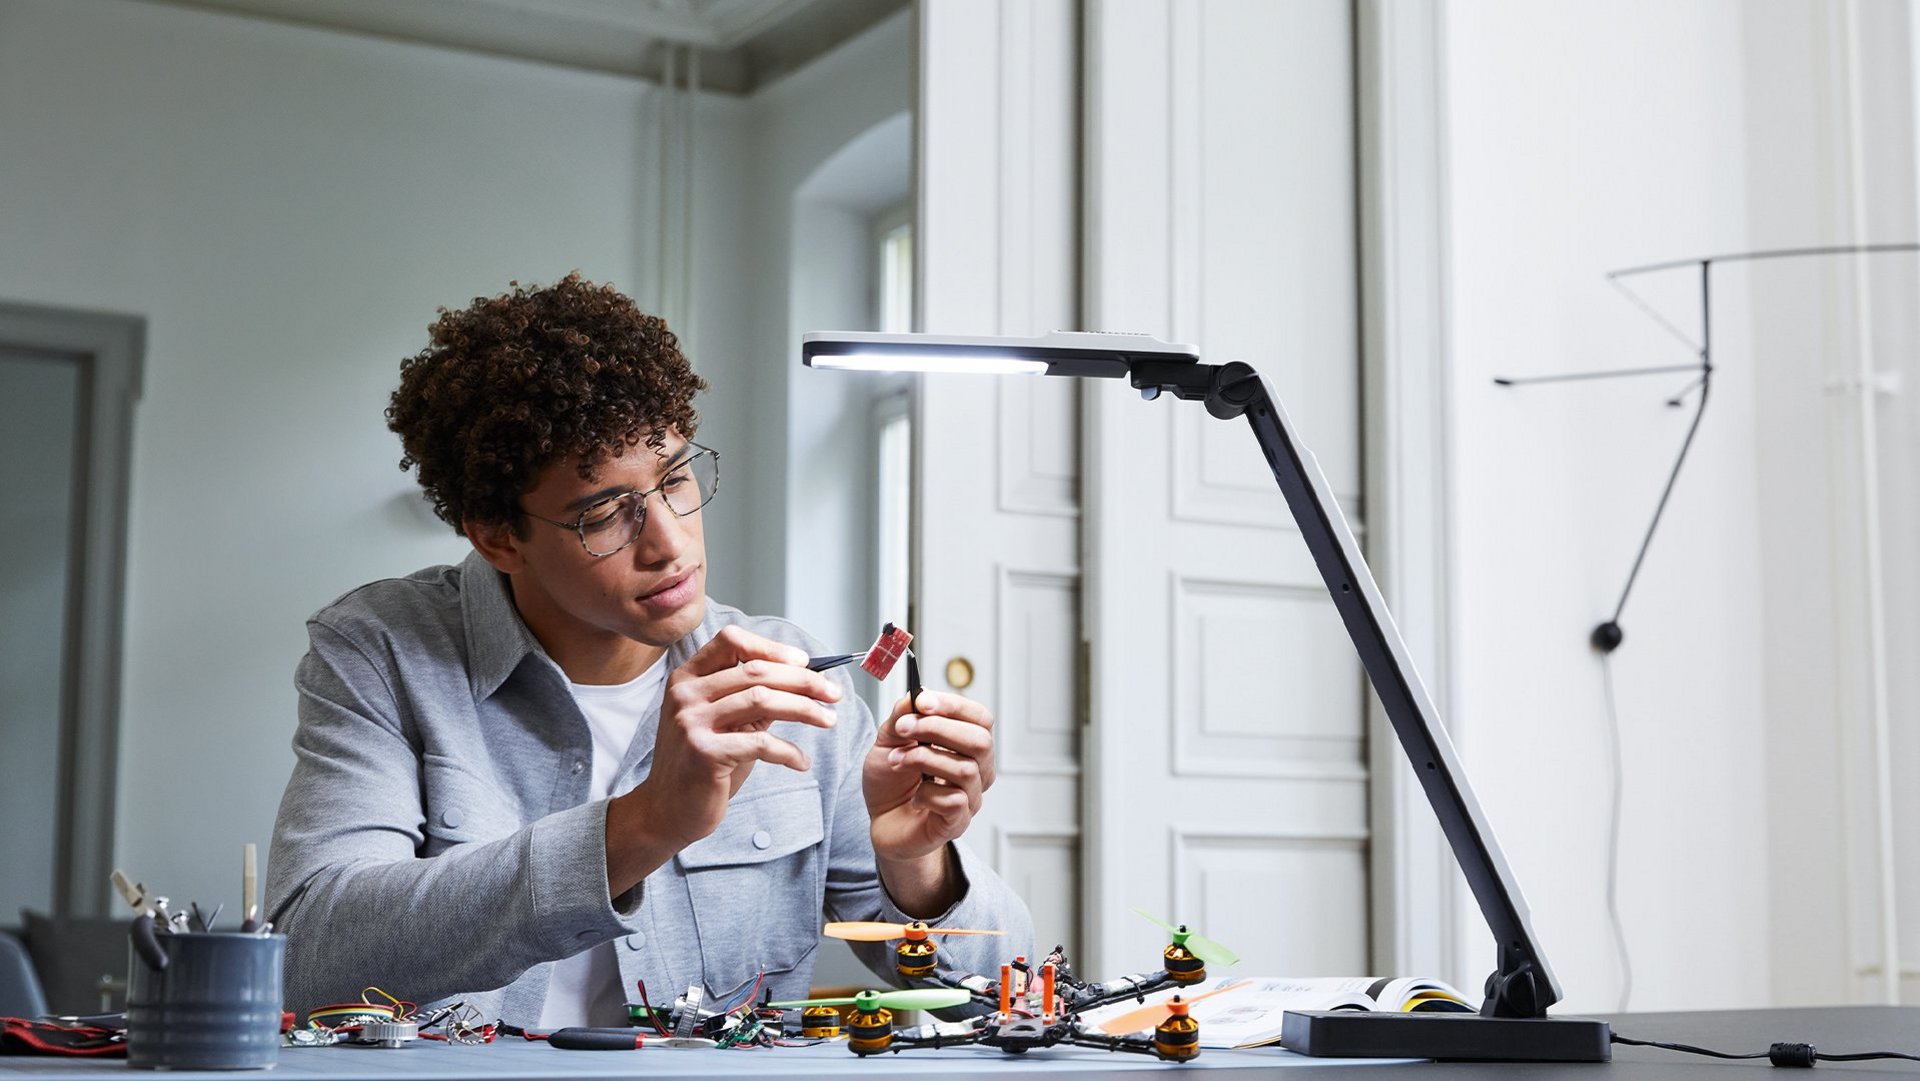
[{"x": 613, "y": 525}]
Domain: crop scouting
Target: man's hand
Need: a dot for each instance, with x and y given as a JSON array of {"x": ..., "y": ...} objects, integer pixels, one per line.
[
  {"x": 949, "y": 740},
  {"x": 713, "y": 729}
]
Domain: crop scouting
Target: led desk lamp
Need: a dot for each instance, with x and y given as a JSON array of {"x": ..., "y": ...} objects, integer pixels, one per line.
[{"x": 1512, "y": 1023}]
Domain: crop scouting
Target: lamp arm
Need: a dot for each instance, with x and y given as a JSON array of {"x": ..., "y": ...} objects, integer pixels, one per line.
[{"x": 1521, "y": 985}]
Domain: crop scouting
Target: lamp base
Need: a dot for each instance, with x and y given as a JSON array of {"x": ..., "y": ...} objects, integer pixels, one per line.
[{"x": 1468, "y": 1037}]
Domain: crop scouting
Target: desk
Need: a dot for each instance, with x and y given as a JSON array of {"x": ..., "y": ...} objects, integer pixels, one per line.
[{"x": 1838, "y": 1029}]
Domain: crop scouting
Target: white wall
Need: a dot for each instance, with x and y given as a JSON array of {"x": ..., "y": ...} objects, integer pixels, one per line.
[
  {"x": 287, "y": 208},
  {"x": 1586, "y": 137},
  {"x": 1761, "y": 862},
  {"x": 830, "y": 494},
  {"x": 805, "y": 275},
  {"x": 1797, "y": 153},
  {"x": 1834, "y": 164},
  {"x": 829, "y": 150}
]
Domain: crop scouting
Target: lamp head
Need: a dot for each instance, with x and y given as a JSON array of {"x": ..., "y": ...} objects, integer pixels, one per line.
[{"x": 1110, "y": 356}]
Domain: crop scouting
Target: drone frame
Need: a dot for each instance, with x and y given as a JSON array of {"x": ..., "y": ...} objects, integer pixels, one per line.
[{"x": 1065, "y": 999}]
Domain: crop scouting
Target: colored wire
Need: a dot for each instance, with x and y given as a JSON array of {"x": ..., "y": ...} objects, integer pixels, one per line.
[
  {"x": 402, "y": 1009},
  {"x": 755, "y": 993},
  {"x": 728, "y": 996},
  {"x": 651, "y": 1015}
]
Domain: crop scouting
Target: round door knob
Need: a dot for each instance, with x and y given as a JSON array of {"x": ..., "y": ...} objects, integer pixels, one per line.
[{"x": 959, "y": 673}]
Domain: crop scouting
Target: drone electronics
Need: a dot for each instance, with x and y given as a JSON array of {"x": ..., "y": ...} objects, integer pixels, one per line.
[
  {"x": 878, "y": 660},
  {"x": 1028, "y": 1007},
  {"x": 886, "y": 651},
  {"x": 1201, "y": 946}
]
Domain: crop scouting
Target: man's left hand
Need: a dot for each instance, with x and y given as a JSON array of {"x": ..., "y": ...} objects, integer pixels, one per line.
[{"x": 924, "y": 775}]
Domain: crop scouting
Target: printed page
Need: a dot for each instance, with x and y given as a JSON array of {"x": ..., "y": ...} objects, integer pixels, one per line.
[
  {"x": 1411, "y": 993},
  {"x": 1242, "y": 1011}
]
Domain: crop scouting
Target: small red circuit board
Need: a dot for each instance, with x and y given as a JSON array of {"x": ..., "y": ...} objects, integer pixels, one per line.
[{"x": 887, "y": 651}]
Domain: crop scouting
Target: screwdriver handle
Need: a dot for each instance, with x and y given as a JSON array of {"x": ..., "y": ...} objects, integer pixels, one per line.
[{"x": 597, "y": 1039}]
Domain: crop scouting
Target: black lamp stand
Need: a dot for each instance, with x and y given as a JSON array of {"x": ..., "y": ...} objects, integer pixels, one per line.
[{"x": 1512, "y": 1023}]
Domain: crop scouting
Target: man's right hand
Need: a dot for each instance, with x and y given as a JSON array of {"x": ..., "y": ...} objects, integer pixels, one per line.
[{"x": 714, "y": 726}]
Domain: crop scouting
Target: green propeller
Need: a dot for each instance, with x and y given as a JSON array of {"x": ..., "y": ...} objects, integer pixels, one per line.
[
  {"x": 1200, "y": 946},
  {"x": 920, "y": 998}
]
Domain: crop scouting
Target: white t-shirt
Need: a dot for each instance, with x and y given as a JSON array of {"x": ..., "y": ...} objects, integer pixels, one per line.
[{"x": 585, "y": 988}]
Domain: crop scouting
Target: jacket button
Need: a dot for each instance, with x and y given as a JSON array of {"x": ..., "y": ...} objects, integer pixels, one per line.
[
  {"x": 761, "y": 838},
  {"x": 577, "y": 767},
  {"x": 451, "y": 818},
  {"x": 636, "y": 940}
]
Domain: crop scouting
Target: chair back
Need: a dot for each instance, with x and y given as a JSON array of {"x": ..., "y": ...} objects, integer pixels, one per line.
[{"x": 20, "y": 994}]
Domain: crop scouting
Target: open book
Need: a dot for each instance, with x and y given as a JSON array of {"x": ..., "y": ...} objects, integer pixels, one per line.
[{"x": 1246, "y": 1011}]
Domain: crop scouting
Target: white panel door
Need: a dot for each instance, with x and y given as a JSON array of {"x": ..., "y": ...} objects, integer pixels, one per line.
[
  {"x": 997, "y": 513},
  {"x": 1227, "y": 755}
]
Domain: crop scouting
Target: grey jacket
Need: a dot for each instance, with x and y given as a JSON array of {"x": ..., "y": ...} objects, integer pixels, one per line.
[{"x": 436, "y": 839}]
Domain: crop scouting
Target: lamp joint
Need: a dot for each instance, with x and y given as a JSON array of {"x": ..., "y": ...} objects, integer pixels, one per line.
[{"x": 1227, "y": 389}]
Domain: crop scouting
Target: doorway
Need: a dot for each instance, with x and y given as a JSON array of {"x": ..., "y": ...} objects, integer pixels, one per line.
[
  {"x": 40, "y": 425},
  {"x": 68, "y": 380}
]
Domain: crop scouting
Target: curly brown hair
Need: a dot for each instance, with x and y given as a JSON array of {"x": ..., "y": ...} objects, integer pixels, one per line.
[{"x": 513, "y": 383}]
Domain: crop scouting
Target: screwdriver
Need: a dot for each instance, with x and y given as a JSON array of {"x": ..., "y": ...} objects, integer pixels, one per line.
[{"x": 597, "y": 1039}]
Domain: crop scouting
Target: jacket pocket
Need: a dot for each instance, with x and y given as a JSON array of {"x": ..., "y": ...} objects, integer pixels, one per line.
[
  {"x": 458, "y": 807},
  {"x": 757, "y": 885}
]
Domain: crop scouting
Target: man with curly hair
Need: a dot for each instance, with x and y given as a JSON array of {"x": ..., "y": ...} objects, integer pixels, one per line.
[{"x": 536, "y": 779}]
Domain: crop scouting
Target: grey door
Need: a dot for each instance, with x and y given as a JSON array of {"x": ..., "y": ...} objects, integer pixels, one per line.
[{"x": 40, "y": 426}]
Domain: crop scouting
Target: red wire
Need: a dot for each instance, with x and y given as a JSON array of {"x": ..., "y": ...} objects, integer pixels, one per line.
[
  {"x": 651, "y": 1016},
  {"x": 755, "y": 993}
]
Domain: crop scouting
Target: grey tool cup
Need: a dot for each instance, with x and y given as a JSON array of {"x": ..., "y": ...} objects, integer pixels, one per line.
[{"x": 205, "y": 1002}]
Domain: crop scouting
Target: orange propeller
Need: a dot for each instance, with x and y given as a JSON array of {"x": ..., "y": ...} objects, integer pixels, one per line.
[
  {"x": 885, "y": 932},
  {"x": 1145, "y": 1017}
]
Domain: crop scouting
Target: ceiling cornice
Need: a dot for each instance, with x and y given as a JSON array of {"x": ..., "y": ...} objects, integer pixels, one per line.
[{"x": 742, "y": 44}]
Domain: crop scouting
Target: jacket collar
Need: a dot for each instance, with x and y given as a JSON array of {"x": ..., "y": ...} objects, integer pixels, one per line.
[{"x": 497, "y": 638}]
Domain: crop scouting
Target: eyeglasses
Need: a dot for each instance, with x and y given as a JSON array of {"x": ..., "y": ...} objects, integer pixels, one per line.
[{"x": 615, "y": 522}]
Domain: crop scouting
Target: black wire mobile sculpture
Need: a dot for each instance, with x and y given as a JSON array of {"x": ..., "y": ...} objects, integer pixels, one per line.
[{"x": 1607, "y": 635}]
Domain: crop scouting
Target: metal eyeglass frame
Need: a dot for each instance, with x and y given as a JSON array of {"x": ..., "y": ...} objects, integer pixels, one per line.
[{"x": 578, "y": 525}]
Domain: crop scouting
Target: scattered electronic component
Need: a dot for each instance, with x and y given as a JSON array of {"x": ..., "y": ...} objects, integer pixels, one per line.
[
  {"x": 387, "y": 1034},
  {"x": 344, "y": 1014},
  {"x": 1030, "y": 1007},
  {"x": 877, "y": 661},
  {"x": 886, "y": 651}
]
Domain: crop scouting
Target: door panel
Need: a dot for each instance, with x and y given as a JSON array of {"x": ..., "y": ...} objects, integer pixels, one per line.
[
  {"x": 1224, "y": 755},
  {"x": 1227, "y": 755},
  {"x": 997, "y": 486}
]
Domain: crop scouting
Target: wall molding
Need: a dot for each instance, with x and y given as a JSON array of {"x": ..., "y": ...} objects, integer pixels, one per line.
[{"x": 1417, "y": 899}]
